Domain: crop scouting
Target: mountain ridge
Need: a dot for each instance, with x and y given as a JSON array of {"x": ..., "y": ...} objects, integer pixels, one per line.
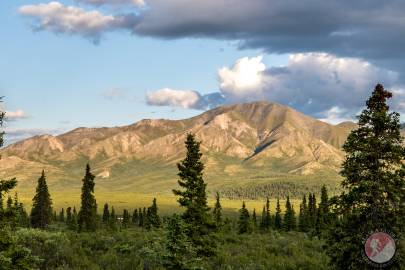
[{"x": 237, "y": 140}]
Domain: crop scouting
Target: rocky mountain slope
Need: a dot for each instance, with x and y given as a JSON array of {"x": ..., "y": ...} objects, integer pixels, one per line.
[{"x": 241, "y": 142}]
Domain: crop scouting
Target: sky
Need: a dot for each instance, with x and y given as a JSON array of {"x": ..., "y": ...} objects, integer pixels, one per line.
[{"x": 67, "y": 64}]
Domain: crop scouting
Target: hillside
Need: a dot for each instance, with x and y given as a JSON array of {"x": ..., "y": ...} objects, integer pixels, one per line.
[{"x": 244, "y": 145}]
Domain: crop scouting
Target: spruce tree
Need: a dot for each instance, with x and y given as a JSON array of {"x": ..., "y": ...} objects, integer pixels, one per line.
[
  {"x": 217, "y": 212},
  {"x": 41, "y": 212},
  {"x": 153, "y": 216},
  {"x": 125, "y": 218},
  {"x": 244, "y": 225},
  {"x": 180, "y": 253},
  {"x": 62, "y": 215},
  {"x": 69, "y": 216},
  {"x": 5, "y": 185},
  {"x": 141, "y": 218},
  {"x": 290, "y": 221},
  {"x": 193, "y": 197},
  {"x": 113, "y": 219},
  {"x": 88, "y": 210},
  {"x": 277, "y": 219},
  {"x": 268, "y": 222},
  {"x": 373, "y": 182},
  {"x": 135, "y": 217},
  {"x": 254, "y": 219},
  {"x": 303, "y": 215},
  {"x": 106, "y": 214},
  {"x": 263, "y": 219}
]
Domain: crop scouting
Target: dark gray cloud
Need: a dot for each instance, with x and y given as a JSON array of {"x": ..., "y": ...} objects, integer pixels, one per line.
[{"x": 370, "y": 29}]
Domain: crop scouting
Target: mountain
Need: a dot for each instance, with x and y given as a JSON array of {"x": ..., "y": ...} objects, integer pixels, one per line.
[{"x": 243, "y": 145}]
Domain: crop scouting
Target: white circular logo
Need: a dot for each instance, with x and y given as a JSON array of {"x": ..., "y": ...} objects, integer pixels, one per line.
[{"x": 380, "y": 248}]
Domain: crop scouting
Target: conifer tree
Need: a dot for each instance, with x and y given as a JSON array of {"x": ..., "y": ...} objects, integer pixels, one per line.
[
  {"x": 62, "y": 215},
  {"x": 254, "y": 219},
  {"x": 303, "y": 215},
  {"x": 244, "y": 225},
  {"x": 153, "y": 219},
  {"x": 277, "y": 219},
  {"x": 113, "y": 219},
  {"x": 69, "y": 216},
  {"x": 323, "y": 214},
  {"x": 73, "y": 225},
  {"x": 193, "y": 197},
  {"x": 141, "y": 218},
  {"x": 289, "y": 222},
  {"x": 217, "y": 212},
  {"x": 263, "y": 219},
  {"x": 180, "y": 252},
  {"x": 268, "y": 222},
  {"x": 135, "y": 217},
  {"x": 125, "y": 218},
  {"x": 88, "y": 210},
  {"x": 312, "y": 211},
  {"x": 106, "y": 214},
  {"x": 41, "y": 212},
  {"x": 373, "y": 182}
]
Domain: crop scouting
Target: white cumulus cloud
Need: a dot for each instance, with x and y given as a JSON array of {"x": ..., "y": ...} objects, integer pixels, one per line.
[
  {"x": 171, "y": 97},
  {"x": 244, "y": 78},
  {"x": 58, "y": 18}
]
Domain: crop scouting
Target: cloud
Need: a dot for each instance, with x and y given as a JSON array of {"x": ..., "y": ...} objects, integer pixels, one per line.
[
  {"x": 114, "y": 93},
  {"x": 14, "y": 135},
  {"x": 113, "y": 2},
  {"x": 57, "y": 18},
  {"x": 16, "y": 115},
  {"x": 368, "y": 30},
  {"x": 246, "y": 77},
  {"x": 322, "y": 85},
  {"x": 176, "y": 98},
  {"x": 188, "y": 99}
]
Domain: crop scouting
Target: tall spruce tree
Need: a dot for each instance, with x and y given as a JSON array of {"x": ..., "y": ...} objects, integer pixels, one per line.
[
  {"x": 303, "y": 215},
  {"x": 68, "y": 216},
  {"x": 254, "y": 219},
  {"x": 277, "y": 218},
  {"x": 113, "y": 220},
  {"x": 194, "y": 198},
  {"x": 135, "y": 217},
  {"x": 290, "y": 221},
  {"x": 263, "y": 225},
  {"x": 106, "y": 214},
  {"x": 217, "y": 212},
  {"x": 244, "y": 225},
  {"x": 268, "y": 220},
  {"x": 153, "y": 217},
  {"x": 323, "y": 219},
  {"x": 374, "y": 187},
  {"x": 88, "y": 210},
  {"x": 62, "y": 215},
  {"x": 41, "y": 212}
]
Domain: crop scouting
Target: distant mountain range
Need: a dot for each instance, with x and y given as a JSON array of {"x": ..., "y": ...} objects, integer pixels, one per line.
[{"x": 243, "y": 145}]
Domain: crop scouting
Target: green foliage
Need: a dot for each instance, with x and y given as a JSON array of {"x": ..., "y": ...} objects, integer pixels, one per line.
[
  {"x": 41, "y": 212},
  {"x": 217, "y": 211},
  {"x": 303, "y": 218},
  {"x": 62, "y": 215},
  {"x": 278, "y": 222},
  {"x": 194, "y": 198},
  {"x": 180, "y": 252},
  {"x": 244, "y": 223},
  {"x": 125, "y": 218},
  {"x": 106, "y": 214},
  {"x": 14, "y": 256},
  {"x": 373, "y": 196},
  {"x": 152, "y": 216},
  {"x": 289, "y": 222},
  {"x": 88, "y": 210}
]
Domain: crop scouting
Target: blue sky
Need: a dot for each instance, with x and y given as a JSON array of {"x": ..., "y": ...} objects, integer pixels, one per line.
[{"x": 67, "y": 74}]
